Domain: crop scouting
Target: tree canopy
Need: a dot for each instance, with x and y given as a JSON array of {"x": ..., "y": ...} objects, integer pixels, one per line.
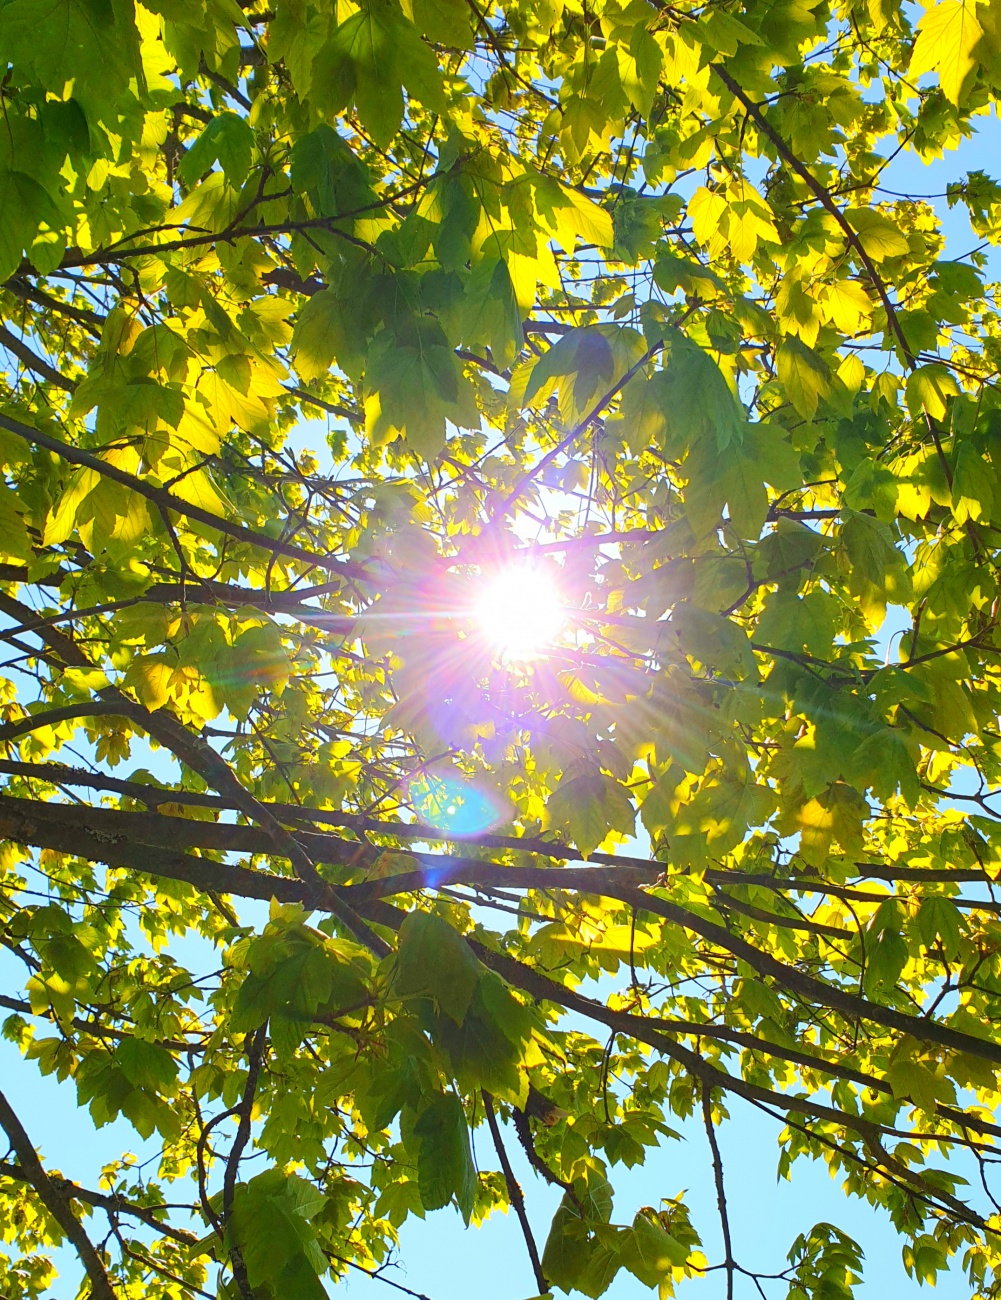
[{"x": 307, "y": 876}]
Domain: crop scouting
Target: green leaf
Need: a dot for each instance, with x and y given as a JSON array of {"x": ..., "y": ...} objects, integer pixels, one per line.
[
  {"x": 885, "y": 949},
  {"x": 804, "y": 376},
  {"x": 799, "y": 623},
  {"x": 94, "y": 46},
  {"x": 672, "y": 272},
  {"x": 448, "y": 22},
  {"x": 570, "y": 215},
  {"x": 948, "y": 37},
  {"x": 412, "y": 373},
  {"x": 698, "y": 402},
  {"x": 147, "y": 1065},
  {"x": 25, "y": 205},
  {"x": 292, "y": 974},
  {"x": 444, "y": 1160},
  {"x": 712, "y": 639},
  {"x": 887, "y": 762},
  {"x": 349, "y": 68},
  {"x": 788, "y": 547},
  {"x": 14, "y": 539},
  {"x": 434, "y": 961},
  {"x": 588, "y": 808},
  {"x": 228, "y": 140},
  {"x": 929, "y": 389},
  {"x": 879, "y": 236},
  {"x": 270, "y": 1223},
  {"x": 369, "y": 58},
  {"x": 870, "y": 546},
  {"x": 724, "y": 810},
  {"x": 585, "y": 354},
  {"x": 453, "y": 209},
  {"x": 491, "y": 315},
  {"x": 400, "y": 1076},
  {"x": 602, "y": 1264},
  {"x": 746, "y": 496},
  {"x": 939, "y": 918},
  {"x": 565, "y": 1254},
  {"x": 910, "y": 1079},
  {"x": 974, "y": 485},
  {"x": 324, "y": 165},
  {"x": 650, "y": 1253},
  {"x": 486, "y": 1049},
  {"x": 319, "y": 327}
]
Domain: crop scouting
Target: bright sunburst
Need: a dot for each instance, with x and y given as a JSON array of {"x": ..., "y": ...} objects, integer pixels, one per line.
[{"x": 520, "y": 611}]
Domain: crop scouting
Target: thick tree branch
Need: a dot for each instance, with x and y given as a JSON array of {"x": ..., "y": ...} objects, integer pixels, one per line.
[
  {"x": 207, "y": 875},
  {"x": 542, "y": 988},
  {"x": 524, "y": 1131},
  {"x": 18, "y": 348},
  {"x": 65, "y": 713},
  {"x": 156, "y": 830},
  {"x": 55, "y": 1202},
  {"x": 27, "y": 292},
  {"x": 478, "y": 871},
  {"x": 256, "y": 1044},
  {"x": 165, "y": 500},
  {"x": 204, "y": 760}
]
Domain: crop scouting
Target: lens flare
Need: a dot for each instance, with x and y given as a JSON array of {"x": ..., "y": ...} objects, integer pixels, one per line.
[
  {"x": 520, "y": 612},
  {"x": 451, "y": 805}
]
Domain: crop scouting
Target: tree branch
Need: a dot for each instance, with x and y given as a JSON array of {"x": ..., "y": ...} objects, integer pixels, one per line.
[
  {"x": 531, "y": 475},
  {"x": 165, "y": 500},
  {"x": 18, "y": 348},
  {"x": 62, "y": 835},
  {"x": 52, "y": 717},
  {"x": 514, "y": 1193},
  {"x": 204, "y": 760},
  {"x": 55, "y": 1202},
  {"x": 106, "y": 1201},
  {"x": 90, "y": 320},
  {"x": 820, "y": 192},
  {"x": 255, "y": 1057},
  {"x": 724, "y": 1217},
  {"x": 98, "y": 824}
]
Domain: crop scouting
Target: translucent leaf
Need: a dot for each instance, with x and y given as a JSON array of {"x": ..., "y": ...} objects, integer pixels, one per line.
[
  {"x": 650, "y": 1253},
  {"x": 804, "y": 375},
  {"x": 227, "y": 139},
  {"x": 434, "y": 961},
  {"x": 24, "y": 204},
  {"x": 878, "y": 235},
  {"x": 948, "y": 36},
  {"x": 588, "y": 808},
  {"x": 444, "y": 1160},
  {"x": 929, "y": 389},
  {"x": 14, "y": 539}
]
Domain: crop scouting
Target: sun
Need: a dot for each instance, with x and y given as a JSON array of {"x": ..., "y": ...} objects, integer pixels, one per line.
[{"x": 520, "y": 611}]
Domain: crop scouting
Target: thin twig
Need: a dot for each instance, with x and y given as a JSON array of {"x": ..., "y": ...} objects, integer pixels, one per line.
[
  {"x": 724, "y": 1218},
  {"x": 514, "y": 1194}
]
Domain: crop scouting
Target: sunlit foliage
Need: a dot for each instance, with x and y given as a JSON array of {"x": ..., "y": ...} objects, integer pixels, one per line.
[{"x": 309, "y": 866}]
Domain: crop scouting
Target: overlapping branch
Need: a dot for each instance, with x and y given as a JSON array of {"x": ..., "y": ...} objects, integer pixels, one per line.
[
  {"x": 54, "y": 1198},
  {"x": 104, "y": 836}
]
